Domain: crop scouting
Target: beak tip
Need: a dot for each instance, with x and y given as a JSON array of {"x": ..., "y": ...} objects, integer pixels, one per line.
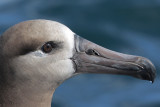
[{"x": 149, "y": 71}]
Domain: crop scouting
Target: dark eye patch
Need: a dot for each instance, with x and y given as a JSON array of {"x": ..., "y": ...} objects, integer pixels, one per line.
[
  {"x": 24, "y": 49},
  {"x": 33, "y": 46}
]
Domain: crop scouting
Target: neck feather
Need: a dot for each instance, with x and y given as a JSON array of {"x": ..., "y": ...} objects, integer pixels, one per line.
[{"x": 14, "y": 97}]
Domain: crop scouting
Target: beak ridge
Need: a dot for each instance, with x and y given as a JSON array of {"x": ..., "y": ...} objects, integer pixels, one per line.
[{"x": 92, "y": 58}]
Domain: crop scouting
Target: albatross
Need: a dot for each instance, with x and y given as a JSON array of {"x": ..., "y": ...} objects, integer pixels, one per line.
[{"x": 36, "y": 56}]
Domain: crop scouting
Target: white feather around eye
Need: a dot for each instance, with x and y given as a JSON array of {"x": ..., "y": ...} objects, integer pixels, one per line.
[{"x": 38, "y": 53}]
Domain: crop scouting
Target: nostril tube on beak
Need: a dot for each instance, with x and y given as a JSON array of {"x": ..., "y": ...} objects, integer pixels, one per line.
[
  {"x": 92, "y": 58},
  {"x": 92, "y": 52}
]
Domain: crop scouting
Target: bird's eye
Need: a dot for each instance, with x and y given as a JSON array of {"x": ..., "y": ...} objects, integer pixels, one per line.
[{"x": 47, "y": 47}]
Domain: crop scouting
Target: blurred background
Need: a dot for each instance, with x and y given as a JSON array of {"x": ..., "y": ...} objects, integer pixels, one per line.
[{"x": 127, "y": 26}]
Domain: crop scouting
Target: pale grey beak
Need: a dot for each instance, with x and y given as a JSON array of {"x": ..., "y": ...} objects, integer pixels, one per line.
[{"x": 91, "y": 58}]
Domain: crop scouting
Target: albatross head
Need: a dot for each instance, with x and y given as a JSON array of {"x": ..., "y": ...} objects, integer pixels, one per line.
[{"x": 37, "y": 56}]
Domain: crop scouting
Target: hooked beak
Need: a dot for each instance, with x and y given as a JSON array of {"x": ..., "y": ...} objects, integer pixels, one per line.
[{"x": 91, "y": 58}]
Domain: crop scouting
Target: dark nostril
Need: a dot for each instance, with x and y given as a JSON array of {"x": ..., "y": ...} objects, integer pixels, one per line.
[{"x": 92, "y": 52}]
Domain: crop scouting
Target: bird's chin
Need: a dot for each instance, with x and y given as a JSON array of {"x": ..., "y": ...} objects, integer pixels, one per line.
[{"x": 91, "y": 58}]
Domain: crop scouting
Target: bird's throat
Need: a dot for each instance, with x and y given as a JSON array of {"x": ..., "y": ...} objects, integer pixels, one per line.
[{"x": 22, "y": 98}]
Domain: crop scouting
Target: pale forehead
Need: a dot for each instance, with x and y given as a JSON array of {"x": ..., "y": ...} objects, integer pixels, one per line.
[
  {"x": 36, "y": 32},
  {"x": 43, "y": 29}
]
